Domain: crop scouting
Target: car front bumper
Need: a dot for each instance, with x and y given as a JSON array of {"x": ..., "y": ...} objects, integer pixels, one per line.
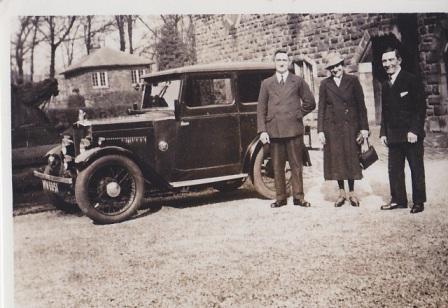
[{"x": 54, "y": 184}]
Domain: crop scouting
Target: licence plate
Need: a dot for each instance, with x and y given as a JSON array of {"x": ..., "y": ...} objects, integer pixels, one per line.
[{"x": 50, "y": 186}]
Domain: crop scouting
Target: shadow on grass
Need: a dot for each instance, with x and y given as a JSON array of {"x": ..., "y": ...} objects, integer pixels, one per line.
[
  {"x": 37, "y": 202},
  {"x": 194, "y": 199}
]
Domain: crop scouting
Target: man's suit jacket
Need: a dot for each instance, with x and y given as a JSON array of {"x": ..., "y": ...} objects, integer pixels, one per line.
[
  {"x": 403, "y": 108},
  {"x": 281, "y": 108}
]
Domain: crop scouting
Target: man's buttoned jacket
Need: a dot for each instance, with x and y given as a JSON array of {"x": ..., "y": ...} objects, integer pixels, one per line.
[{"x": 281, "y": 107}]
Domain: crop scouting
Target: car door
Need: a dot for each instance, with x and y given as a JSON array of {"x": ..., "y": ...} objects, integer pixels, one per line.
[{"x": 208, "y": 138}]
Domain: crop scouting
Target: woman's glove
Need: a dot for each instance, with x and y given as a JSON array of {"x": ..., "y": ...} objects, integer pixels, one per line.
[{"x": 321, "y": 136}]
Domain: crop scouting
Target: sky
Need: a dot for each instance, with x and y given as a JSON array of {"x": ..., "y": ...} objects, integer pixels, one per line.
[{"x": 110, "y": 39}]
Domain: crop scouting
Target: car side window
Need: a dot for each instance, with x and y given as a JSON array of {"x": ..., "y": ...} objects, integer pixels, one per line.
[
  {"x": 207, "y": 91},
  {"x": 249, "y": 86}
]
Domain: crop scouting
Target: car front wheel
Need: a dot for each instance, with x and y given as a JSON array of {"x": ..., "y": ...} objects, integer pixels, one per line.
[
  {"x": 110, "y": 190},
  {"x": 263, "y": 175}
]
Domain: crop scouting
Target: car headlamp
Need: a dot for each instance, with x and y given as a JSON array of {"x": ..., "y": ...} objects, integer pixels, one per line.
[
  {"x": 84, "y": 144},
  {"x": 67, "y": 144},
  {"x": 82, "y": 115}
]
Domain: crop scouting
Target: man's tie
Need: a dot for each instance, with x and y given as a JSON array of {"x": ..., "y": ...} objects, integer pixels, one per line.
[
  {"x": 390, "y": 81},
  {"x": 282, "y": 82}
]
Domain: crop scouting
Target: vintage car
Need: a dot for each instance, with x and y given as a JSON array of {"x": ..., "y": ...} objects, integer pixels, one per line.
[{"x": 195, "y": 128}]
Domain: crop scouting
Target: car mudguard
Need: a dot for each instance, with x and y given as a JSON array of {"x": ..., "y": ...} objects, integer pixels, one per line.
[
  {"x": 54, "y": 151},
  {"x": 249, "y": 157},
  {"x": 88, "y": 156}
]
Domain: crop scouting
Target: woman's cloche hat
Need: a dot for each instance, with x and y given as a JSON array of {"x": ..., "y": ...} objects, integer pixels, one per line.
[{"x": 333, "y": 59}]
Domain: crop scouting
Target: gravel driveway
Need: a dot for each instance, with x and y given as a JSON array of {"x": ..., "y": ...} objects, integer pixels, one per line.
[{"x": 233, "y": 250}]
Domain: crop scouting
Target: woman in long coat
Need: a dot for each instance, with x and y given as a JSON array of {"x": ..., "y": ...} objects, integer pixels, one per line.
[{"x": 342, "y": 118}]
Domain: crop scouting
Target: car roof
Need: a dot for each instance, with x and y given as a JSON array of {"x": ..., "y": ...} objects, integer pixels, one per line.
[{"x": 213, "y": 67}]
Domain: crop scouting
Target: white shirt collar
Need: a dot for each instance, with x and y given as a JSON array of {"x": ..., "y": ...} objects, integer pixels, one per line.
[
  {"x": 394, "y": 75},
  {"x": 337, "y": 80},
  {"x": 279, "y": 76}
]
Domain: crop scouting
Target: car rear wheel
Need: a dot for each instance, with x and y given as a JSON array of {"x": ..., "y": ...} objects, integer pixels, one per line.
[
  {"x": 110, "y": 190},
  {"x": 263, "y": 175},
  {"x": 64, "y": 201}
]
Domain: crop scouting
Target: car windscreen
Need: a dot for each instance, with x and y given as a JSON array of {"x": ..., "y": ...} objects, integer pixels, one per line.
[{"x": 161, "y": 94}]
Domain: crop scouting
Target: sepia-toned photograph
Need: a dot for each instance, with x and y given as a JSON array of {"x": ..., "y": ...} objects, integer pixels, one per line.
[{"x": 204, "y": 159}]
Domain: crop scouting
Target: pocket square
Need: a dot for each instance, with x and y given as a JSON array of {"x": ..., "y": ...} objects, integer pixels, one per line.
[{"x": 402, "y": 94}]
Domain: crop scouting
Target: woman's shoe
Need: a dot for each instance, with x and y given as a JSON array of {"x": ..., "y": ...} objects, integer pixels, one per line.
[
  {"x": 353, "y": 201},
  {"x": 340, "y": 201}
]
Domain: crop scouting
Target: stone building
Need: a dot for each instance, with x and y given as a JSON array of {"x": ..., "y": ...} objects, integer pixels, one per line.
[
  {"x": 102, "y": 72},
  {"x": 360, "y": 38}
]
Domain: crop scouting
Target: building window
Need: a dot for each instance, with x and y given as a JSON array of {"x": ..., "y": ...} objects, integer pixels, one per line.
[
  {"x": 136, "y": 76},
  {"x": 99, "y": 80}
]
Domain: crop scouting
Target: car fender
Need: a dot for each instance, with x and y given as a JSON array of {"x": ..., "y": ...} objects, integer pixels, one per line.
[
  {"x": 84, "y": 159},
  {"x": 54, "y": 151},
  {"x": 249, "y": 157}
]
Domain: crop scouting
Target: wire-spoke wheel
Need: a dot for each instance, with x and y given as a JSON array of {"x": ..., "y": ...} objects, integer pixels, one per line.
[
  {"x": 263, "y": 176},
  {"x": 110, "y": 190}
]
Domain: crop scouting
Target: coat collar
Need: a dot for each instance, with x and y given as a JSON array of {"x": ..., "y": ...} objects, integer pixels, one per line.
[{"x": 340, "y": 91}]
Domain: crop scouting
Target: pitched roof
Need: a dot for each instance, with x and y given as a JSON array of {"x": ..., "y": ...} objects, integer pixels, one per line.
[{"x": 106, "y": 57}]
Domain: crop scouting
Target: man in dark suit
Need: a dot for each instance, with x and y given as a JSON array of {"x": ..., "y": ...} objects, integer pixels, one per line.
[
  {"x": 283, "y": 101},
  {"x": 402, "y": 131}
]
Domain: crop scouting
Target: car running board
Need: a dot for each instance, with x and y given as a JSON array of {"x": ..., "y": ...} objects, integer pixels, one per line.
[{"x": 209, "y": 180}]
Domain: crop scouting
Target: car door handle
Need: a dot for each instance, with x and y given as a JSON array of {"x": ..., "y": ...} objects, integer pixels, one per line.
[{"x": 183, "y": 123}]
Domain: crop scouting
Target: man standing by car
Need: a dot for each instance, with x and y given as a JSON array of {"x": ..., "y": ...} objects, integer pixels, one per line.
[
  {"x": 402, "y": 131},
  {"x": 283, "y": 101}
]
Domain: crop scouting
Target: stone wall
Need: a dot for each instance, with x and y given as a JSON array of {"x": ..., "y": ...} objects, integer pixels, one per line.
[
  {"x": 433, "y": 29},
  {"x": 257, "y": 36},
  {"x": 314, "y": 35}
]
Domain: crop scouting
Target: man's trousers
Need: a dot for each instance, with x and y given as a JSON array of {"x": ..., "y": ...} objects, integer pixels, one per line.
[
  {"x": 398, "y": 153},
  {"x": 282, "y": 150}
]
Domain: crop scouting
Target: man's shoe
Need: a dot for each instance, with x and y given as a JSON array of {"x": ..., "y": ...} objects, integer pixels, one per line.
[
  {"x": 353, "y": 201},
  {"x": 339, "y": 202},
  {"x": 299, "y": 202},
  {"x": 417, "y": 208},
  {"x": 393, "y": 206},
  {"x": 278, "y": 203}
]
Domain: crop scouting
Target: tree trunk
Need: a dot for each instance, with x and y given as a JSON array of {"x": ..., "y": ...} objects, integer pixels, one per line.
[
  {"x": 52, "y": 61},
  {"x": 33, "y": 45},
  {"x": 129, "y": 19},
  {"x": 121, "y": 32},
  {"x": 88, "y": 34},
  {"x": 19, "y": 62}
]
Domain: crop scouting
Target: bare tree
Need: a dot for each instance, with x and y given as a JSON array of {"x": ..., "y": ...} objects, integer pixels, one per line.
[
  {"x": 55, "y": 32},
  {"x": 69, "y": 43},
  {"x": 92, "y": 27},
  {"x": 120, "y": 20},
  {"x": 20, "y": 48},
  {"x": 34, "y": 42}
]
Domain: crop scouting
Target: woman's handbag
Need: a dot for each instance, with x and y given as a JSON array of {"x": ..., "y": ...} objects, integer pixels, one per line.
[{"x": 369, "y": 157}]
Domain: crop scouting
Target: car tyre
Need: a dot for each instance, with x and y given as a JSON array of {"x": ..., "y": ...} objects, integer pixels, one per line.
[
  {"x": 263, "y": 176},
  {"x": 110, "y": 189}
]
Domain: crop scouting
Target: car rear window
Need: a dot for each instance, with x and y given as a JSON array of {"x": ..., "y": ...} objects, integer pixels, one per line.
[
  {"x": 206, "y": 91},
  {"x": 249, "y": 85}
]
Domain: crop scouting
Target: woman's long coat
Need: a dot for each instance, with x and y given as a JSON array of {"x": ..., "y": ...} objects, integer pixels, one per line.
[{"x": 341, "y": 115}]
